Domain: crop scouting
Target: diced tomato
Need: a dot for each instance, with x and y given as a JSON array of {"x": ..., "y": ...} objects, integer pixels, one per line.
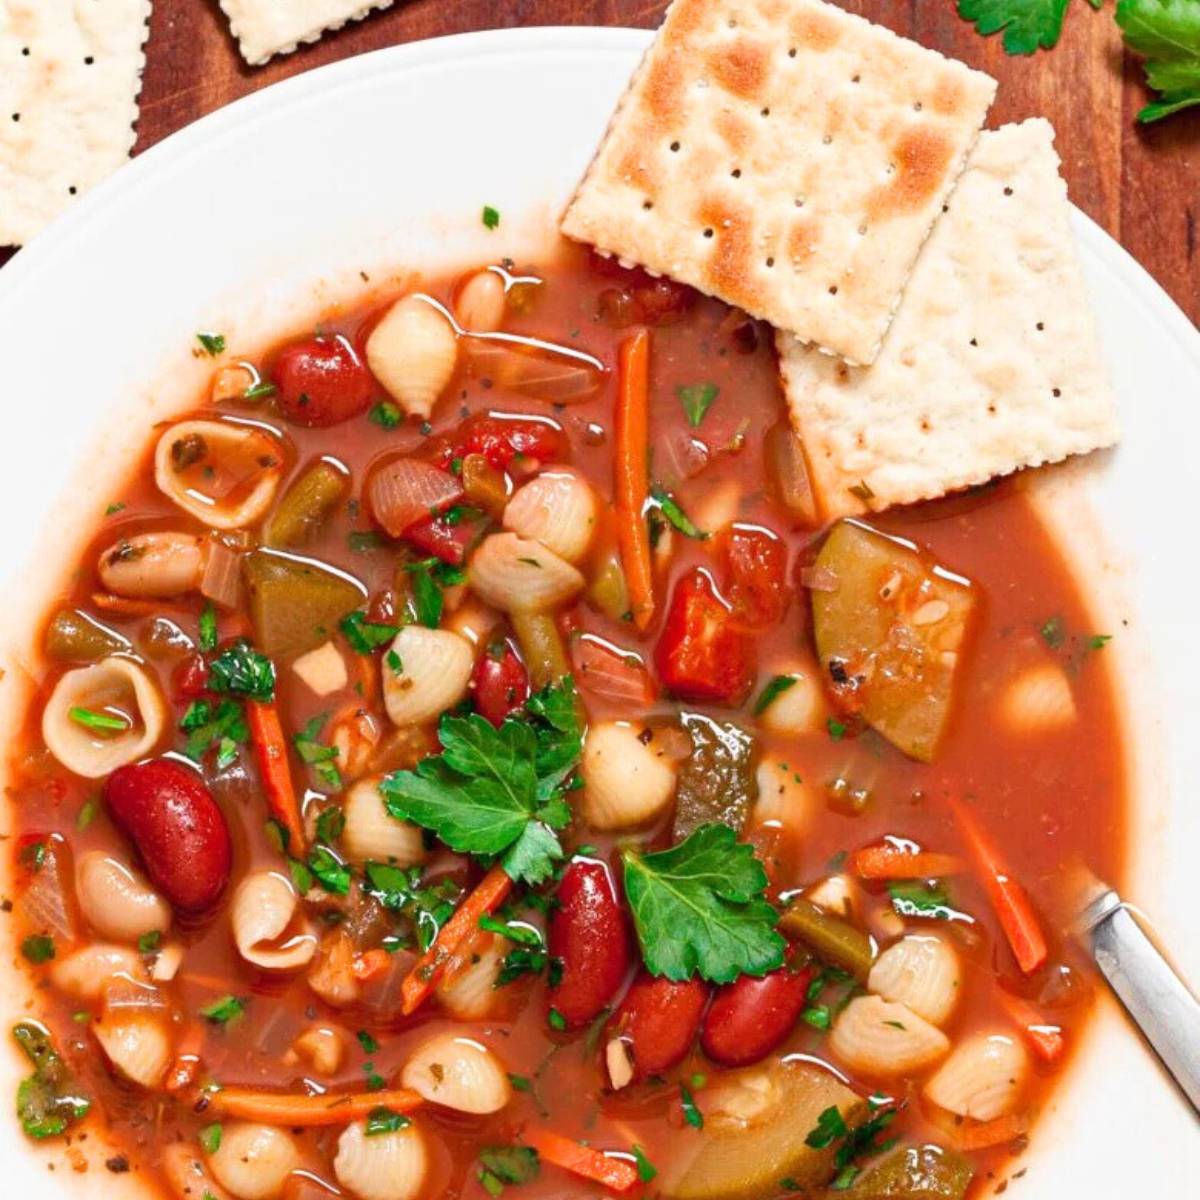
[
  {"x": 500, "y": 683},
  {"x": 189, "y": 679},
  {"x": 603, "y": 670},
  {"x": 701, "y": 653},
  {"x": 437, "y": 536},
  {"x": 501, "y": 439},
  {"x": 755, "y": 575},
  {"x": 321, "y": 381}
]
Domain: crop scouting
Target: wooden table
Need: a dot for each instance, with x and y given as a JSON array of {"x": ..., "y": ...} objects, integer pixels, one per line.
[{"x": 1141, "y": 184}]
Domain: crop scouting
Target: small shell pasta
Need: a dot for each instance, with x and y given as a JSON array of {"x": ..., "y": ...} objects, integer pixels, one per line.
[
  {"x": 784, "y": 800},
  {"x": 139, "y": 1047},
  {"x": 88, "y": 972},
  {"x": 458, "y": 1072},
  {"x": 323, "y": 670},
  {"x": 371, "y": 833},
  {"x": 1038, "y": 700},
  {"x": 515, "y": 574},
  {"x": 153, "y": 565},
  {"x": 470, "y": 994},
  {"x": 627, "y": 781},
  {"x": 885, "y": 1040},
  {"x": 556, "y": 508},
  {"x": 267, "y": 929},
  {"x": 115, "y": 684},
  {"x": 799, "y": 708},
  {"x": 322, "y": 1047},
  {"x": 479, "y": 306},
  {"x": 921, "y": 971},
  {"x": 384, "y": 1166},
  {"x": 186, "y": 1175},
  {"x": 253, "y": 1161},
  {"x": 435, "y": 668},
  {"x": 983, "y": 1077},
  {"x": 413, "y": 352},
  {"x": 116, "y": 901}
]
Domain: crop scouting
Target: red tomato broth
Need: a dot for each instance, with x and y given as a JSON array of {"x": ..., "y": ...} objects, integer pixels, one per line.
[{"x": 1043, "y": 798}]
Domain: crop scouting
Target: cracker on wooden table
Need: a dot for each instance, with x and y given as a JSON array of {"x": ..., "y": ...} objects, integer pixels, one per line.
[
  {"x": 70, "y": 74},
  {"x": 785, "y": 156},
  {"x": 992, "y": 362},
  {"x": 264, "y": 28}
]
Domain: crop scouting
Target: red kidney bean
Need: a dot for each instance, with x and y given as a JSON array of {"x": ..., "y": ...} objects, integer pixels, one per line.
[
  {"x": 321, "y": 381},
  {"x": 658, "y": 1020},
  {"x": 589, "y": 935},
  {"x": 179, "y": 830},
  {"x": 750, "y": 1017},
  {"x": 500, "y": 683}
]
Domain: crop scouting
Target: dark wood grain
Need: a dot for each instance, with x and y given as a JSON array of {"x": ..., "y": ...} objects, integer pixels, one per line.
[{"x": 1141, "y": 184}]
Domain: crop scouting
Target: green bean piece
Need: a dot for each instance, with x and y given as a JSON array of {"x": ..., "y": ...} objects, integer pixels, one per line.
[
  {"x": 608, "y": 591},
  {"x": 830, "y": 938},
  {"x": 307, "y": 505},
  {"x": 542, "y": 647},
  {"x": 73, "y": 636}
]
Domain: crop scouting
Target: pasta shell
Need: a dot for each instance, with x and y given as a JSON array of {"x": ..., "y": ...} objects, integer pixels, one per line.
[
  {"x": 458, "y": 1072},
  {"x": 323, "y": 1048},
  {"x": 139, "y": 1047},
  {"x": 116, "y": 901},
  {"x": 253, "y": 1161},
  {"x": 186, "y": 1175},
  {"x": 983, "y": 1077},
  {"x": 167, "y": 963},
  {"x": 515, "y": 574},
  {"x": 435, "y": 668},
  {"x": 88, "y": 972},
  {"x": 234, "y": 460},
  {"x": 558, "y": 509},
  {"x": 413, "y": 352},
  {"x": 479, "y": 306},
  {"x": 383, "y": 1166},
  {"x": 1039, "y": 700},
  {"x": 470, "y": 994},
  {"x": 921, "y": 971},
  {"x": 323, "y": 670},
  {"x": 371, "y": 833},
  {"x": 266, "y": 928},
  {"x": 114, "y": 684},
  {"x": 331, "y": 975},
  {"x": 885, "y": 1040},
  {"x": 784, "y": 800},
  {"x": 798, "y": 709},
  {"x": 627, "y": 781},
  {"x": 153, "y": 564}
]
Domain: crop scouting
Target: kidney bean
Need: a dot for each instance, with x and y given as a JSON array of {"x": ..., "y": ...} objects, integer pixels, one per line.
[
  {"x": 750, "y": 1017},
  {"x": 500, "y": 683},
  {"x": 180, "y": 832},
  {"x": 658, "y": 1020},
  {"x": 589, "y": 935}
]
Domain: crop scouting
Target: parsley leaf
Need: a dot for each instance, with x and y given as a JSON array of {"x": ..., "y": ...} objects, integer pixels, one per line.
[
  {"x": 208, "y": 628},
  {"x": 1053, "y": 631},
  {"x": 318, "y": 755},
  {"x": 691, "y": 1112},
  {"x": 491, "y": 217},
  {"x": 1028, "y": 25},
  {"x": 775, "y": 688},
  {"x": 38, "y": 948},
  {"x": 221, "y": 1012},
  {"x": 399, "y": 890},
  {"x": 100, "y": 722},
  {"x": 669, "y": 507},
  {"x": 223, "y": 724},
  {"x": 210, "y": 1138},
  {"x": 241, "y": 670},
  {"x": 365, "y": 636},
  {"x": 699, "y": 909},
  {"x": 47, "y": 1100},
  {"x": 213, "y": 343},
  {"x": 331, "y": 873},
  {"x": 386, "y": 414},
  {"x": 384, "y": 1120},
  {"x": 918, "y": 899},
  {"x": 428, "y": 577},
  {"x": 696, "y": 400},
  {"x": 646, "y": 1170},
  {"x": 1166, "y": 33}
]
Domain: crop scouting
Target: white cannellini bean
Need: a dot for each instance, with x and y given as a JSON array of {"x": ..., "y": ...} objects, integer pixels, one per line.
[
  {"x": 628, "y": 781},
  {"x": 372, "y": 834},
  {"x": 253, "y": 1161},
  {"x": 470, "y": 994},
  {"x": 798, "y": 709},
  {"x": 983, "y": 1077},
  {"x": 167, "y": 963},
  {"x": 784, "y": 799},
  {"x": 116, "y": 901},
  {"x": 458, "y": 1072},
  {"x": 618, "y": 1063},
  {"x": 413, "y": 352},
  {"x": 322, "y": 1047},
  {"x": 885, "y": 1040},
  {"x": 515, "y": 574},
  {"x": 837, "y": 894},
  {"x": 557, "y": 508},
  {"x": 86, "y": 973},
  {"x": 323, "y": 670},
  {"x": 186, "y": 1175},
  {"x": 113, "y": 683},
  {"x": 921, "y": 971},
  {"x": 254, "y": 454},
  {"x": 435, "y": 668},
  {"x": 269, "y": 930},
  {"x": 138, "y": 1046},
  {"x": 384, "y": 1166},
  {"x": 153, "y": 564},
  {"x": 479, "y": 306},
  {"x": 1038, "y": 700},
  {"x": 718, "y": 507}
]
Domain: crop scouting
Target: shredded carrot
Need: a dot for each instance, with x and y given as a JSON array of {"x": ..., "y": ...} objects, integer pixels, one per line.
[
  {"x": 271, "y": 754},
  {"x": 631, "y": 486},
  {"x": 886, "y": 861},
  {"x": 371, "y": 965},
  {"x": 124, "y": 606},
  {"x": 183, "y": 1072},
  {"x": 1044, "y": 1037},
  {"x": 1007, "y": 897},
  {"x": 330, "y": 1108},
  {"x": 977, "y": 1136},
  {"x": 616, "y": 1174},
  {"x": 457, "y": 933}
]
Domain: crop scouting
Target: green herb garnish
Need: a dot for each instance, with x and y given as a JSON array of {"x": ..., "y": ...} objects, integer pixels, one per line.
[
  {"x": 101, "y": 722},
  {"x": 317, "y": 754},
  {"x": 491, "y": 217},
  {"x": 386, "y": 414},
  {"x": 223, "y": 1011},
  {"x": 691, "y": 1112},
  {"x": 208, "y": 628},
  {"x": 38, "y": 948},
  {"x": 365, "y": 636},
  {"x": 213, "y": 343},
  {"x": 670, "y": 509},
  {"x": 775, "y": 688},
  {"x": 241, "y": 670},
  {"x": 696, "y": 400},
  {"x": 384, "y": 1120},
  {"x": 47, "y": 1101}
]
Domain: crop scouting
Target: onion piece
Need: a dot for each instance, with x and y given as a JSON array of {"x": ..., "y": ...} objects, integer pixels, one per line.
[
  {"x": 606, "y": 671},
  {"x": 48, "y": 904},
  {"x": 539, "y": 374},
  {"x": 222, "y": 579},
  {"x": 679, "y": 456},
  {"x": 787, "y": 473},
  {"x": 406, "y": 491}
]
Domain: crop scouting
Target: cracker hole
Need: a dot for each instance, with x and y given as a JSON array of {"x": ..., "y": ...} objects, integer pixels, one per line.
[
  {"x": 833, "y": 289},
  {"x": 736, "y": 173},
  {"x": 770, "y": 263},
  {"x": 974, "y": 341},
  {"x": 856, "y": 79},
  {"x": 16, "y": 116},
  {"x": 708, "y": 233},
  {"x": 674, "y": 147},
  {"x": 1041, "y": 325},
  {"x": 732, "y": 22},
  {"x": 72, "y": 190},
  {"x": 992, "y": 409},
  {"x": 918, "y": 106},
  {"x": 925, "y": 426},
  {"x": 1008, "y": 191},
  {"x": 647, "y": 205},
  {"x": 766, "y": 112},
  {"x": 862, "y": 231},
  {"x": 24, "y": 51},
  {"x": 799, "y": 201},
  {"x": 791, "y": 52},
  {"x": 827, "y": 140},
  {"x": 1056, "y": 392},
  {"x": 88, "y": 61}
]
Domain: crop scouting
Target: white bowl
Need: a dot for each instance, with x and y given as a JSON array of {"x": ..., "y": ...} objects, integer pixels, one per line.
[{"x": 257, "y": 216}]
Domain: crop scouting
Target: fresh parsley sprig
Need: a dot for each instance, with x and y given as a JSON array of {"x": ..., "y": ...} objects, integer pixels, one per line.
[{"x": 1166, "y": 33}]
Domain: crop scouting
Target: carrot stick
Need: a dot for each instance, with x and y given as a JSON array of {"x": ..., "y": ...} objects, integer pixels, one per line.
[
  {"x": 282, "y": 1108},
  {"x": 613, "y": 1173},
  {"x": 991, "y": 1133},
  {"x": 885, "y": 861},
  {"x": 270, "y": 752},
  {"x": 1006, "y": 896},
  {"x": 631, "y": 485},
  {"x": 453, "y": 937},
  {"x": 1043, "y": 1036}
]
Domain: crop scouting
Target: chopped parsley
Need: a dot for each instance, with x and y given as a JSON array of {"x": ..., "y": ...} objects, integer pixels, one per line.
[
  {"x": 210, "y": 1138},
  {"x": 363, "y": 541},
  {"x": 386, "y": 414},
  {"x": 207, "y": 724},
  {"x": 38, "y": 948},
  {"x": 87, "y": 813},
  {"x": 149, "y": 942},
  {"x": 1167, "y": 35},
  {"x": 213, "y": 343},
  {"x": 491, "y": 217},
  {"x": 1098, "y": 641},
  {"x": 101, "y": 722},
  {"x": 208, "y": 628},
  {"x": 223, "y": 1011},
  {"x": 47, "y": 1100},
  {"x": 696, "y": 400},
  {"x": 670, "y": 509},
  {"x": 241, "y": 670},
  {"x": 429, "y": 576},
  {"x": 399, "y": 890},
  {"x": 520, "y": 1083},
  {"x": 775, "y": 688},
  {"x": 367, "y": 1042},
  {"x": 857, "y": 1143},
  {"x": 646, "y": 1170},
  {"x": 317, "y": 754},
  {"x": 556, "y": 1020},
  {"x": 384, "y": 1120},
  {"x": 836, "y": 728},
  {"x": 329, "y": 870},
  {"x": 501, "y": 1166},
  {"x": 919, "y": 899},
  {"x": 259, "y": 390},
  {"x": 691, "y": 1112},
  {"x": 1054, "y": 632},
  {"x": 114, "y": 508},
  {"x": 365, "y": 636}
]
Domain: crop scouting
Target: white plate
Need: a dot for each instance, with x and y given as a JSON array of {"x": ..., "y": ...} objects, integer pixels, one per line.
[{"x": 257, "y": 215}]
